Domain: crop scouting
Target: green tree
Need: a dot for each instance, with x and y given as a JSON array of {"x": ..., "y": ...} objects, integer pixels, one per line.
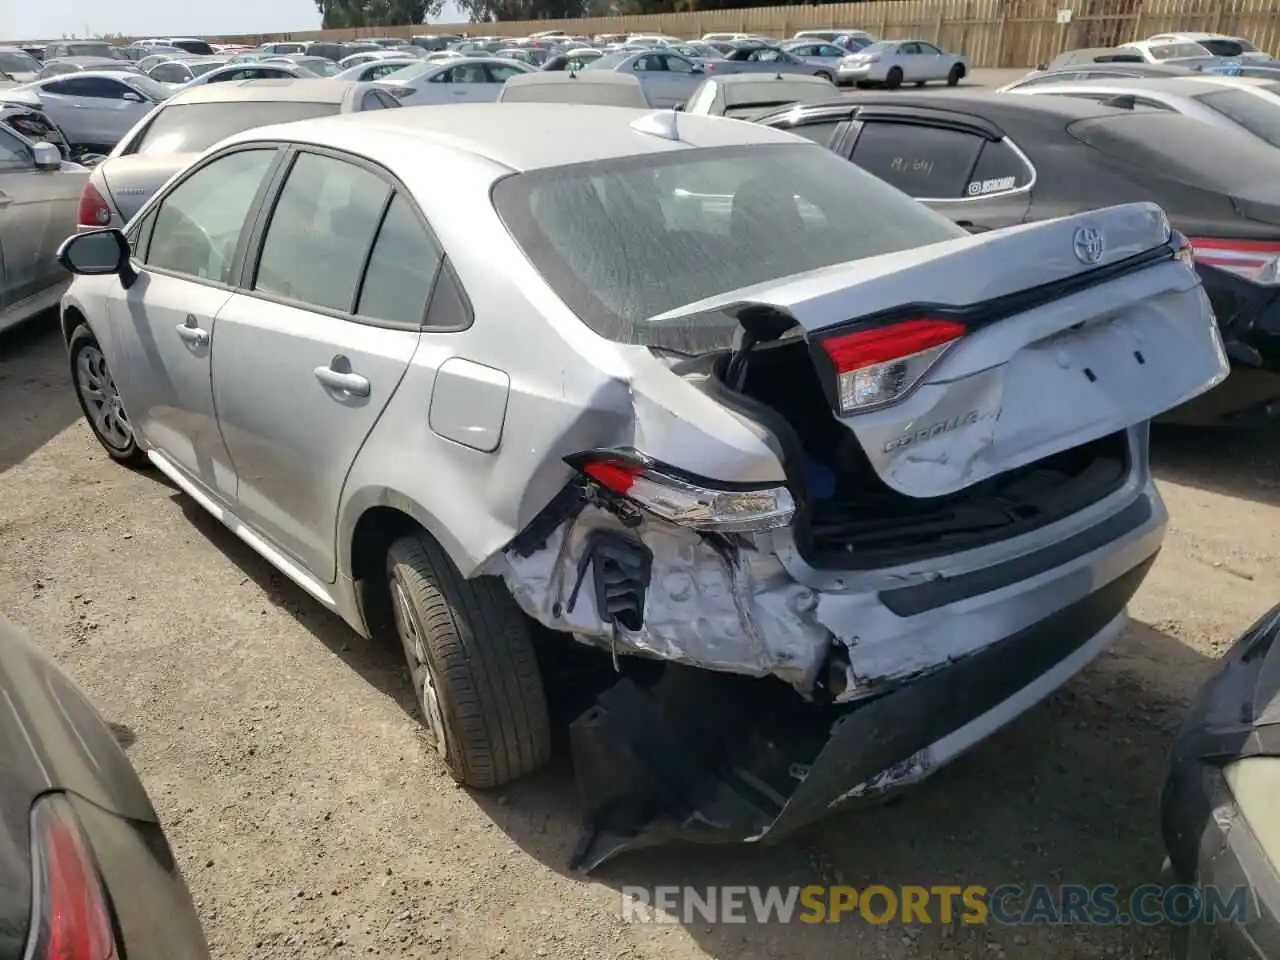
[{"x": 483, "y": 11}]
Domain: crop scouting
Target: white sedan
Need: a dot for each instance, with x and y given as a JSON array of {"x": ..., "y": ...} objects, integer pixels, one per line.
[
  {"x": 458, "y": 80},
  {"x": 376, "y": 69},
  {"x": 892, "y": 63}
]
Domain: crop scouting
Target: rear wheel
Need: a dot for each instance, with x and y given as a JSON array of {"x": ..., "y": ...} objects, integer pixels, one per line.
[
  {"x": 893, "y": 79},
  {"x": 823, "y": 75},
  {"x": 471, "y": 656},
  {"x": 100, "y": 400},
  {"x": 956, "y": 74}
]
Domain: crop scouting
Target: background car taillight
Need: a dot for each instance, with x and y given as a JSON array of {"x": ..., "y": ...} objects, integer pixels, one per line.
[
  {"x": 93, "y": 210},
  {"x": 71, "y": 920},
  {"x": 1255, "y": 260},
  {"x": 881, "y": 364},
  {"x": 686, "y": 501}
]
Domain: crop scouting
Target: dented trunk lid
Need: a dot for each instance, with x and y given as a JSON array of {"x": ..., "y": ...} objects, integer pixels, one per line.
[{"x": 1059, "y": 351}]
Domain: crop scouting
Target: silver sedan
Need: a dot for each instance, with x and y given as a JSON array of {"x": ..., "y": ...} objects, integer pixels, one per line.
[
  {"x": 668, "y": 78},
  {"x": 892, "y": 63}
]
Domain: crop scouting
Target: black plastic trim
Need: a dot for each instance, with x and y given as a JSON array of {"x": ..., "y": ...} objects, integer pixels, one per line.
[{"x": 909, "y": 601}]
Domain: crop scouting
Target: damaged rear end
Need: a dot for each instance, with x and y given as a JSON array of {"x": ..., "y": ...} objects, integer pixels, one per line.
[{"x": 957, "y": 508}]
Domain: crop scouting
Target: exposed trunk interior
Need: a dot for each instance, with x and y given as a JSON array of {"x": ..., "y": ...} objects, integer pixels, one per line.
[{"x": 853, "y": 520}]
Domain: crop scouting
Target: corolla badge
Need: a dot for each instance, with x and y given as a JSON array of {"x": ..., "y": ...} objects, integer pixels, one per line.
[{"x": 1088, "y": 245}]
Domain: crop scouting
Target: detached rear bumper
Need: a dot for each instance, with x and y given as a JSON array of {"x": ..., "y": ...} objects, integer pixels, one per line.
[{"x": 712, "y": 757}]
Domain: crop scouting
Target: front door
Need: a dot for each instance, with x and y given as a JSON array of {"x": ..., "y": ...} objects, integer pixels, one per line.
[
  {"x": 164, "y": 327},
  {"x": 306, "y": 359},
  {"x": 37, "y": 212}
]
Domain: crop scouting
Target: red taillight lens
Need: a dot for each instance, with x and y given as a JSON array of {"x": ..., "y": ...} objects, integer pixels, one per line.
[
  {"x": 686, "y": 501},
  {"x": 72, "y": 921},
  {"x": 880, "y": 365},
  {"x": 1252, "y": 259},
  {"x": 93, "y": 211}
]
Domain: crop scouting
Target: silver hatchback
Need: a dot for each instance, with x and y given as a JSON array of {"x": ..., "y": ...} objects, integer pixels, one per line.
[{"x": 837, "y": 488}]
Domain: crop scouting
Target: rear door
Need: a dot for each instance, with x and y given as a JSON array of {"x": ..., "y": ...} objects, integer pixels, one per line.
[
  {"x": 311, "y": 349},
  {"x": 933, "y": 64},
  {"x": 974, "y": 175}
]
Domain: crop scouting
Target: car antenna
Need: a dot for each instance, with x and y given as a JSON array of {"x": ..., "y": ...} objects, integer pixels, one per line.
[{"x": 659, "y": 123}]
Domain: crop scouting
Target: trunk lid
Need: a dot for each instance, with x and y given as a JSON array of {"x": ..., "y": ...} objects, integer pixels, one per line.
[
  {"x": 133, "y": 179},
  {"x": 1072, "y": 329}
]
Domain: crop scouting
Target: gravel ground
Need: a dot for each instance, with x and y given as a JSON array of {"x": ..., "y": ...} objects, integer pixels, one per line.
[{"x": 310, "y": 820}]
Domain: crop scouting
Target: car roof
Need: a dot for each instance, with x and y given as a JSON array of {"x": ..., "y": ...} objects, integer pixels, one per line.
[
  {"x": 986, "y": 104},
  {"x": 1191, "y": 86},
  {"x": 292, "y": 89},
  {"x": 518, "y": 136}
]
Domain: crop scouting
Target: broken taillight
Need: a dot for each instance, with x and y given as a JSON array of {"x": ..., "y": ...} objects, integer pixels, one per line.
[
  {"x": 1255, "y": 260},
  {"x": 881, "y": 364},
  {"x": 71, "y": 920},
  {"x": 685, "y": 500}
]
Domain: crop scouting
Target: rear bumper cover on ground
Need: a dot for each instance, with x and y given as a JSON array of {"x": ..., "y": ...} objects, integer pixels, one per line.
[{"x": 712, "y": 757}]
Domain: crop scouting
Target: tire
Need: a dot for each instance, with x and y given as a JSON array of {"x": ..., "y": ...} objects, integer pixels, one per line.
[
  {"x": 954, "y": 77},
  {"x": 823, "y": 75},
  {"x": 100, "y": 400},
  {"x": 475, "y": 674},
  {"x": 893, "y": 79}
]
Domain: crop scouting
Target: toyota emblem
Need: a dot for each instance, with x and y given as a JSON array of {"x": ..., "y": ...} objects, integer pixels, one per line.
[{"x": 1088, "y": 245}]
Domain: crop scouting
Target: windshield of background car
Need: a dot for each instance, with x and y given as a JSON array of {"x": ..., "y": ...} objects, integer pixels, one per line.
[
  {"x": 18, "y": 63},
  {"x": 1260, "y": 115},
  {"x": 1225, "y": 48},
  {"x": 623, "y": 241},
  {"x": 411, "y": 72},
  {"x": 609, "y": 60},
  {"x": 320, "y": 66},
  {"x": 1176, "y": 51},
  {"x": 194, "y": 127},
  {"x": 149, "y": 88},
  {"x": 90, "y": 50}
]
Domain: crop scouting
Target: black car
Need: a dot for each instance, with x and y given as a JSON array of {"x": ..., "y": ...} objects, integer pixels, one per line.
[
  {"x": 990, "y": 160},
  {"x": 85, "y": 870},
  {"x": 1220, "y": 808}
]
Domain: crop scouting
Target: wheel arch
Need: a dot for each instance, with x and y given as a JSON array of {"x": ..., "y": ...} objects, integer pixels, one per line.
[{"x": 70, "y": 317}]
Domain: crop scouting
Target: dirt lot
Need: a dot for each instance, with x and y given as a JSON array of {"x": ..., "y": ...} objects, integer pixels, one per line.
[{"x": 310, "y": 821}]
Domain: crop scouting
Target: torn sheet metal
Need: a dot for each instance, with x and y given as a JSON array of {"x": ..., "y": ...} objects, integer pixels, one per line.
[{"x": 711, "y": 602}]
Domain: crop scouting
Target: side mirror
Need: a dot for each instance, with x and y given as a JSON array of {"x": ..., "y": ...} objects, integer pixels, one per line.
[
  {"x": 97, "y": 254},
  {"x": 132, "y": 97},
  {"x": 47, "y": 156}
]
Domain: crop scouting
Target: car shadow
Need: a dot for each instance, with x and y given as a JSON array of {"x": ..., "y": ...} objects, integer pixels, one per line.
[
  {"x": 1242, "y": 463},
  {"x": 1065, "y": 794},
  {"x": 37, "y": 401}
]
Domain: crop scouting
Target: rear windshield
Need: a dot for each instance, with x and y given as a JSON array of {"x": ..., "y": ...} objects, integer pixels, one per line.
[
  {"x": 1258, "y": 115},
  {"x": 1173, "y": 146},
  {"x": 1226, "y": 48},
  {"x": 774, "y": 92},
  {"x": 623, "y": 241},
  {"x": 193, "y": 127},
  {"x": 573, "y": 91},
  {"x": 199, "y": 69},
  {"x": 90, "y": 50}
]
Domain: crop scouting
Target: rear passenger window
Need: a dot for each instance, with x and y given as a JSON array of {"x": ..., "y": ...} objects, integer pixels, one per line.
[
  {"x": 401, "y": 270},
  {"x": 999, "y": 169},
  {"x": 320, "y": 232},
  {"x": 923, "y": 162}
]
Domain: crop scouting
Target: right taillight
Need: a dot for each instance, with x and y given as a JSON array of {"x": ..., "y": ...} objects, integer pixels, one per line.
[
  {"x": 93, "y": 210},
  {"x": 71, "y": 920},
  {"x": 881, "y": 364},
  {"x": 1254, "y": 260}
]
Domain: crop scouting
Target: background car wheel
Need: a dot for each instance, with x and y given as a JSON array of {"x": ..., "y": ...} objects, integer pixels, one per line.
[
  {"x": 954, "y": 77},
  {"x": 100, "y": 400},
  {"x": 893, "y": 80},
  {"x": 921, "y": 83},
  {"x": 474, "y": 669},
  {"x": 823, "y": 75}
]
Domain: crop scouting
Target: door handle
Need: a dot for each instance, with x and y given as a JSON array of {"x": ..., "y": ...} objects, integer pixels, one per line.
[
  {"x": 339, "y": 376},
  {"x": 190, "y": 331}
]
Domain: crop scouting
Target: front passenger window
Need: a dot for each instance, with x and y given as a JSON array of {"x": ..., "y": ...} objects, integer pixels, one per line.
[{"x": 198, "y": 223}]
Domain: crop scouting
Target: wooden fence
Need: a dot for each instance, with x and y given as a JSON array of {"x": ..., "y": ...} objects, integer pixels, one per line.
[{"x": 992, "y": 33}]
